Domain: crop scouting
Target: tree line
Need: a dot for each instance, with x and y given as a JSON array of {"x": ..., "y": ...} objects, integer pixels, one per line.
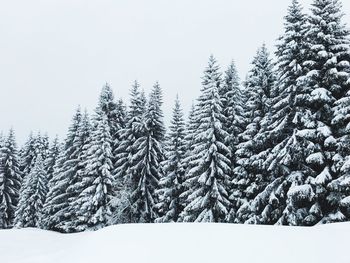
[{"x": 273, "y": 149}]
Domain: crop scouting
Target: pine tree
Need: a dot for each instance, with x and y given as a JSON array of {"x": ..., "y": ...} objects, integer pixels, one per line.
[
  {"x": 284, "y": 162},
  {"x": 1, "y": 139},
  {"x": 329, "y": 68},
  {"x": 248, "y": 178},
  {"x": 10, "y": 180},
  {"x": 77, "y": 166},
  {"x": 209, "y": 173},
  {"x": 42, "y": 145},
  {"x": 233, "y": 109},
  {"x": 145, "y": 169},
  {"x": 92, "y": 206},
  {"x": 65, "y": 174},
  {"x": 171, "y": 184},
  {"x": 31, "y": 201},
  {"x": 191, "y": 127},
  {"x": 114, "y": 112},
  {"x": 121, "y": 113},
  {"x": 232, "y": 101},
  {"x": 52, "y": 157},
  {"x": 124, "y": 154},
  {"x": 28, "y": 155},
  {"x": 324, "y": 81}
]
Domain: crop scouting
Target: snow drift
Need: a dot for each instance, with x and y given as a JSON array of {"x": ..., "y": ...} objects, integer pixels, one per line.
[{"x": 179, "y": 243}]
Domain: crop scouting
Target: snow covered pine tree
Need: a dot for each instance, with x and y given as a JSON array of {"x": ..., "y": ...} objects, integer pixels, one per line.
[
  {"x": 146, "y": 170},
  {"x": 208, "y": 177},
  {"x": 123, "y": 157},
  {"x": 31, "y": 201},
  {"x": 171, "y": 188},
  {"x": 10, "y": 180},
  {"x": 249, "y": 177}
]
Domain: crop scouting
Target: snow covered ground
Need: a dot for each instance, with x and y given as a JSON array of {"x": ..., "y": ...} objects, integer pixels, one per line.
[{"x": 180, "y": 243}]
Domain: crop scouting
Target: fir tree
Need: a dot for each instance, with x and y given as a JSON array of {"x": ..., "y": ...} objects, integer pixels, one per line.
[
  {"x": 42, "y": 145},
  {"x": 52, "y": 158},
  {"x": 191, "y": 127},
  {"x": 10, "y": 180},
  {"x": 285, "y": 162},
  {"x": 329, "y": 68},
  {"x": 248, "y": 178},
  {"x": 209, "y": 172},
  {"x": 114, "y": 112},
  {"x": 28, "y": 155},
  {"x": 325, "y": 81},
  {"x": 77, "y": 166},
  {"x": 65, "y": 174},
  {"x": 146, "y": 170},
  {"x": 170, "y": 204},
  {"x": 121, "y": 113},
  {"x": 28, "y": 212},
  {"x": 124, "y": 154},
  {"x": 232, "y": 101},
  {"x": 92, "y": 206}
]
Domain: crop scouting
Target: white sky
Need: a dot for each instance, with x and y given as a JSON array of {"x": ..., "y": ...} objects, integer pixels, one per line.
[{"x": 56, "y": 54}]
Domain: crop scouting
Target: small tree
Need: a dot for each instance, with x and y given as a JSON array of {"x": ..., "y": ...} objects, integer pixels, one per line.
[{"x": 32, "y": 196}]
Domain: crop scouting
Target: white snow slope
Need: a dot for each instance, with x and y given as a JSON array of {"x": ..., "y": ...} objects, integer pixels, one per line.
[{"x": 180, "y": 243}]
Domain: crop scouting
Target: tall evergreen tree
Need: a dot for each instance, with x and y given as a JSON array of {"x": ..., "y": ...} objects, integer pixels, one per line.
[
  {"x": 92, "y": 206},
  {"x": 114, "y": 112},
  {"x": 191, "y": 127},
  {"x": 249, "y": 179},
  {"x": 28, "y": 212},
  {"x": 170, "y": 190},
  {"x": 69, "y": 221},
  {"x": 329, "y": 68},
  {"x": 285, "y": 162},
  {"x": 146, "y": 170},
  {"x": 124, "y": 154},
  {"x": 232, "y": 100},
  {"x": 209, "y": 173},
  {"x": 65, "y": 174},
  {"x": 325, "y": 81},
  {"x": 10, "y": 180}
]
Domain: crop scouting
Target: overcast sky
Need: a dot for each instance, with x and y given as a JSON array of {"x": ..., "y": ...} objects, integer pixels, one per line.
[{"x": 56, "y": 54}]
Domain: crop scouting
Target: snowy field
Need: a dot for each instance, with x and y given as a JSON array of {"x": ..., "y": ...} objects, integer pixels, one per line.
[{"x": 179, "y": 243}]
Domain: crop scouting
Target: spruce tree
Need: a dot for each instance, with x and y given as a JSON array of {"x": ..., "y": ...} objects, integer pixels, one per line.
[
  {"x": 10, "y": 180},
  {"x": 146, "y": 170},
  {"x": 92, "y": 205},
  {"x": 249, "y": 179},
  {"x": 31, "y": 201},
  {"x": 65, "y": 174},
  {"x": 232, "y": 103},
  {"x": 329, "y": 68},
  {"x": 209, "y": 172},
  {"x": 42, "y": 145},
  {"x": 53, "y": 155},
  {"x": 28, "y": 155},
  {"x": 77, "y": 166},
  {"x": 285, "y": 163},
  {"x": 124, "y": 154},
  {"x": 326, "y": 81},
  {"x": 170, "y": 204},
  {"x": 191, "y": 127},
  {"x": 114, "y": 112}
]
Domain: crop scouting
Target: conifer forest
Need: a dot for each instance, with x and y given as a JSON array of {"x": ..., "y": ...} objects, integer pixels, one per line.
[{"x": 273, "y": 148}]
